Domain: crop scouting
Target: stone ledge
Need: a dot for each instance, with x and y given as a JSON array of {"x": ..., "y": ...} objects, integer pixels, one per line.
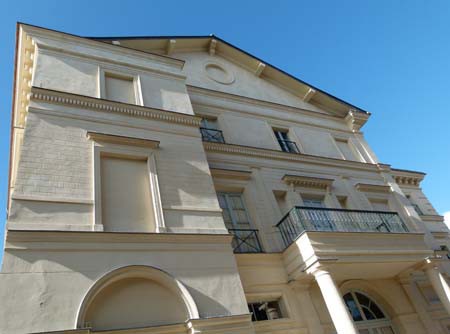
[
  {"x": 97, "y": 104},
  {"x": 114, "y": 237}
]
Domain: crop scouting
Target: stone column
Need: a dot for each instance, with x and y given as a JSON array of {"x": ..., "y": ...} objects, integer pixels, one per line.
[
  {"x": 439, "y": 284},
  {"x": 342, "y": 320}
]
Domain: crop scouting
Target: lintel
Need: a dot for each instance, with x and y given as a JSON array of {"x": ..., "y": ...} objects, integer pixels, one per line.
[
  {"x": 122, "y": 140},
  {"x": 231, "y": 174},
  {"x": 307, "y": 181}
]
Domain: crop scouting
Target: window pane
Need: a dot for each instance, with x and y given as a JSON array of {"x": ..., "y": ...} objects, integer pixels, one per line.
[
  {"x": 269, "y": 310},
  {"x": 372, "y": 308},
  {"x": 312, "y": 202},
  {"x": 352, "y": 307}
]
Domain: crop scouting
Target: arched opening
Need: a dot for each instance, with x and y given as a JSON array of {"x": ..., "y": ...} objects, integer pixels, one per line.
[
  {"x": 367, "y": 315},
  {"x": 135, "y": 297}
]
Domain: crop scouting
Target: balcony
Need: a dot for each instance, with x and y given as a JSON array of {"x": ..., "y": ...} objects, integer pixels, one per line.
[
  {"x": 302, "y": 219},
  {"x": 351, "y": 243},
  {"x": 288, "y": 146},
  {"x": 212, "y": 135},
  {"x": 245, "y": 241}
]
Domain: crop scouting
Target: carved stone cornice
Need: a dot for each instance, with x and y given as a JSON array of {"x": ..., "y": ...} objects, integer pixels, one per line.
[
  {"x": 407, "y": 178},
  {"x": 280, "y": 155},
  {"x": 307, "y": 181},
  {"x": 355, "y": 119},
  {"x": 96, "y": 104}
]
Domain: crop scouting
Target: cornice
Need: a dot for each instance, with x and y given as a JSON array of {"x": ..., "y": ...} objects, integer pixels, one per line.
[
  {"x": 13, "y": 236},
  {"x": 230, "y": 174},
  {"x": 280, "y": 155},
  {"x": 407, "y": 178},
  {"x": 114, "y": 139},
  {"x": 356, "y": 120},
  {"x": 36, "y": 31},
  {"x": 307, "y": 181},
  {"x": 432, "y": 218},
  {"x": 96, "y": 104}
]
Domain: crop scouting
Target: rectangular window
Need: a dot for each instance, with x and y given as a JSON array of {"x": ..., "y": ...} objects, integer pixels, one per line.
[
  {"x": 125, "y": 195},
  {"x": 233, "y": 211},
  {"x": 269, "y": 310},
  {"x": 415, "y": 206},
  {"x": 285, "y": 144},
  {"x": 119, "y": 88},
  {"x": 313, "y": 202}
]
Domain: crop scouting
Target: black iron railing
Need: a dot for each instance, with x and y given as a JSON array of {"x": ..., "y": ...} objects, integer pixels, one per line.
[
  {"x": 288, "y": 146},
  {"x": 245, "y": 241},
  {"x": 301, "y": 219},
  {"x": 212, "y": 135}
]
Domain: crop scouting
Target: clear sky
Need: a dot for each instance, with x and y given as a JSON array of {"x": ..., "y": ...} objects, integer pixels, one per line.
[{"x": 391, "y": 58}]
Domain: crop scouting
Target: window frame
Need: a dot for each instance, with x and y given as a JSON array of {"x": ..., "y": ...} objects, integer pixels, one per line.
[
  {"x": 231, "y": 213},
  {"x": 281, "y": 296},
  {"x": 134, "y": 77},
  {"x": 286, "y": 137},
  {"x": 365, "y": 323},
  {"x": 128, "y": 148}
]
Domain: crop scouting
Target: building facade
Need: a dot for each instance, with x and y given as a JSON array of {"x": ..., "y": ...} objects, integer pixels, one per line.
[{"x": 182, "y": 185}]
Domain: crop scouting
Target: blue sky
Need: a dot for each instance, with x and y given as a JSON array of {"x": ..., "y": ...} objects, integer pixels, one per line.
[{"x": 391, "y": 58}]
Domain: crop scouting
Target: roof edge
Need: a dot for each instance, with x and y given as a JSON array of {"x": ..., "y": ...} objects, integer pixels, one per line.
[{"x": 111, "y": 38}]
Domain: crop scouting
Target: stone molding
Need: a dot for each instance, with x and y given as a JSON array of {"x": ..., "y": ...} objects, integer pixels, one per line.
[
  {"x": 47, "y": 237},
  {"x": 226, "y": 324},
  {"x": 92, "y": 103},
  {"x": 36, "y": 198},
  {"x": 307, "y": 181},
  {"x": 122, "y": 140},
  {"x": 407, "y": 178},
  {"x": 355, "y": 120},
  {"x": 280, "y": 155},
  {"x": 231, "y": 174}
]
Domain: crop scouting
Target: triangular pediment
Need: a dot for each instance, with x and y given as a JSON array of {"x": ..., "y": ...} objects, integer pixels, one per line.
[{"x": 213, "y": 63}]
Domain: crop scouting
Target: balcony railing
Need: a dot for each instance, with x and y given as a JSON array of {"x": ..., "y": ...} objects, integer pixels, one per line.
[
  {"x": 245, "y": 241},
  {"x": 212, "y": 135},
  {"x": 301, "y": 219},
  {"x": 288, "y": 146}
]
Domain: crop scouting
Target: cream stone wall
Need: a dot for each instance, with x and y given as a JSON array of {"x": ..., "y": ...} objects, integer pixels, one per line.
[
  {"x": 55, "y": 272},
  {"x": 59, "y": 257}
]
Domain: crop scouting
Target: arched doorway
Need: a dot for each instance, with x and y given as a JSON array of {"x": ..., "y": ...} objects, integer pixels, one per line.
[{"x": 367, "y": 315}]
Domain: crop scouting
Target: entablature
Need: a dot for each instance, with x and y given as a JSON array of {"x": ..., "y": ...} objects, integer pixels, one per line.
[
  {"x": 262, "y": 153},
  {"x": 97, "y": 104}
]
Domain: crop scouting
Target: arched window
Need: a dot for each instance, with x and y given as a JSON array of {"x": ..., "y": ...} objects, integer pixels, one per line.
[{"x": 367, "y": 315}]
